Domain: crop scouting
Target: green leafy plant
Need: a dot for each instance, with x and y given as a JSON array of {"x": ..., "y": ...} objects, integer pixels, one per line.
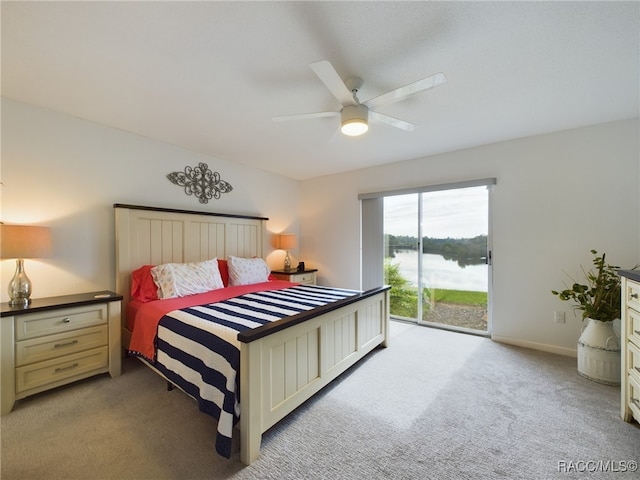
[
  {"x": 403, "y": 298},
  {"x": 599, "y": 298}
]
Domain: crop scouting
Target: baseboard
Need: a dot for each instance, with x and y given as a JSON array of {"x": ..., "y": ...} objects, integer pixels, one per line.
[{"x": 567, "y": 352}]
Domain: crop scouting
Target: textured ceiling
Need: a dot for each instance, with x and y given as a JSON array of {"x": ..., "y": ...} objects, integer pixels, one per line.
[{"x": 209, "y": 76}]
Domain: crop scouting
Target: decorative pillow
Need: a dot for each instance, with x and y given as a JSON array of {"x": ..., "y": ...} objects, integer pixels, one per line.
[
  {"x": 181, "y": 279},
  {"x": 143, "y": 288},
  {"x": 224, "y": 271},
  {"x": 246, "y": 271}
]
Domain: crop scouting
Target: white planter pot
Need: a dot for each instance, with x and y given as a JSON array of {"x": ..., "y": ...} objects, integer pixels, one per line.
[{"x": 599, "y": 352}]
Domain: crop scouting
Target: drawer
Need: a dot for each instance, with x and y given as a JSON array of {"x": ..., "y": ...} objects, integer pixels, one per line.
[
  {"x": 303, "y": 278},
  {"x": 60, "y": 369},
  {"x": 33, "y": 325},
  {"x": 633, "y": 326},
  {"x": 633, "y": 398},
  {"x": 633, "y": 360},
  {"x": 633, "y": 295},
  {"x": 52, "y": 346}
]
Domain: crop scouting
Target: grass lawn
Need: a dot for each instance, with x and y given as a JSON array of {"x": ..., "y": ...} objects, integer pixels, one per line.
[{"x": 458, "y": 297}]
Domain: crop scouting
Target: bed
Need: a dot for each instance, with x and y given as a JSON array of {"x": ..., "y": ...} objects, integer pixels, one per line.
[{"x": 282, "y": 362}]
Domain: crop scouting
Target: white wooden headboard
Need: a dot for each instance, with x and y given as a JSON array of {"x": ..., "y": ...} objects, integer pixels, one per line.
[{"x": 152, "y": 236}]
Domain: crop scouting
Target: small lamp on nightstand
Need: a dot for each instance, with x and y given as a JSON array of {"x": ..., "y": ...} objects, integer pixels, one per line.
[
  {"x": 20, "y": 242},
  {"x": 286, "y": 242}
]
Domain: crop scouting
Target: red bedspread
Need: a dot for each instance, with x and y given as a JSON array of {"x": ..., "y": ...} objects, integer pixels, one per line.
[{"x": 148, "y": 314}]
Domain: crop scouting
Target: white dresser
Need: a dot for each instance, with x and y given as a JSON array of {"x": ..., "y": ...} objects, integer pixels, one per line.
[
  {"x": 630, "y": 345},
  {"x": 57, "y": 340}
]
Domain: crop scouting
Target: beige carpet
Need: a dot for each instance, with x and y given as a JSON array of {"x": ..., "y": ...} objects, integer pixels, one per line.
[{"x": 435, "y": 404}]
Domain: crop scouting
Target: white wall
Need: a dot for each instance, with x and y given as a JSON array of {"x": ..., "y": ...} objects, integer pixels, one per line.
[
  {"x": 557, "y": 197},
  {"x": 66, "y": 173}
]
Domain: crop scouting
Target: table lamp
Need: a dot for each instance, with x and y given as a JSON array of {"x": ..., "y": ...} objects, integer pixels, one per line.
[
  {"x": 287, "y": 241},
  {"x": 20, "y": 242}
]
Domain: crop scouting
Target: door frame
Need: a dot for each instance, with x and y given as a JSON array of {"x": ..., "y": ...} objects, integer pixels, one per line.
[{"x": 372, "y": 237}]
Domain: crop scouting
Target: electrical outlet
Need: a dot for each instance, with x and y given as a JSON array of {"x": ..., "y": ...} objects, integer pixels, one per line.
[{"x": 559, "y": 317}]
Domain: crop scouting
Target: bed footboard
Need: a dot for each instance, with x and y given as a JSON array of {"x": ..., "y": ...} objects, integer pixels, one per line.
[{"x": 281, "y": 369}]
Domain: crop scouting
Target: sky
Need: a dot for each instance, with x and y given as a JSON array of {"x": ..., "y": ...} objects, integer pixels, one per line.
[{"x": 458, "y": 213}]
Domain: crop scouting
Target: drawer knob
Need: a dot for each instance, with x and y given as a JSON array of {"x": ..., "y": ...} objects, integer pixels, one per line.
[
  {"x": 634, "y": 295},
  {"x": 637, "y": 332},
  {"x": 62, "y": 369},
  {"x": 59, "y": 345},
  {"x": 66, "y": 320}
]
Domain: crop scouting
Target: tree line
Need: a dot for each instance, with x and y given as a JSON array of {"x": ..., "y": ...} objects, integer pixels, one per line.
[{"x": 465, "y": 251}]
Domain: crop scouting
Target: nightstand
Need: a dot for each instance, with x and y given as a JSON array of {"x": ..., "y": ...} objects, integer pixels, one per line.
[
  {"x": 57, "y": 340},
  {"x": 307, "y": 277}
]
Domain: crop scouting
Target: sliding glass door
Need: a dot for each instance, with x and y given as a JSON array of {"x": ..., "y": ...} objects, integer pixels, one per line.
[{"x": 437, "y": 257}]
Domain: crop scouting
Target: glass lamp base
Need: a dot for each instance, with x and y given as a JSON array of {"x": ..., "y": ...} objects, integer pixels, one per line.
[{"x": 20, "y": 287}]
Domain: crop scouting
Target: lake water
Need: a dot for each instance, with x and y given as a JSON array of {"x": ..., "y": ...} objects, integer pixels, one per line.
[{"x": 441, "y": 273}]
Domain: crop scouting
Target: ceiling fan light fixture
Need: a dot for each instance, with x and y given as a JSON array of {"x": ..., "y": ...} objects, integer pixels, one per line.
[{"x": 354, "y": 120}]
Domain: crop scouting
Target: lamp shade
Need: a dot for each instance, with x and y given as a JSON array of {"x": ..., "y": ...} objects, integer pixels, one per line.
[
  {"x": 287, "y": 241},
  {"x": 24, "y": 241}
]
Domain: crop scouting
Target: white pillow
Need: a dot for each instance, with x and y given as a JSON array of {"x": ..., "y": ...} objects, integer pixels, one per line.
[
  {"x": 181, "y": 279},
  {"x": 246, "y": 271}
]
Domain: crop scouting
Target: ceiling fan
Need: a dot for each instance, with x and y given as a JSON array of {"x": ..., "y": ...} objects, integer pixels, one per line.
[{"x": 354, "y": 115}]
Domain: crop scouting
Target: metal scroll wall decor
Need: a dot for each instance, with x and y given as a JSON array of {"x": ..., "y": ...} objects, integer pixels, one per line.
[{"x": 200, "y": 182}]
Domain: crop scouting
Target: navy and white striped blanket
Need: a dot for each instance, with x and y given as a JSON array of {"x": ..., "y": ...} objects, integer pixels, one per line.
[{"x": 198, "y": 349}]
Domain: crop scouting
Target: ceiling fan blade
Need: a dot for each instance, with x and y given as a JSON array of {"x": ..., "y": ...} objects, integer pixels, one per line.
[
  {"x": 303, "y": 116},
  {"x": 325, "y": 71},
  {"x": 402, "y": 92},
  {"x": 394, "y": 122}
]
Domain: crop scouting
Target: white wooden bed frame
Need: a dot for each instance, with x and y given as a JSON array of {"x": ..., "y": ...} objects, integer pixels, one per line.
[{"x": 282, "y": 364}]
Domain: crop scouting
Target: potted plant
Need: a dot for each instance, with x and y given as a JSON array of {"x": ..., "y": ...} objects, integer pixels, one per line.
[{"x": 599, "y": 299}]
